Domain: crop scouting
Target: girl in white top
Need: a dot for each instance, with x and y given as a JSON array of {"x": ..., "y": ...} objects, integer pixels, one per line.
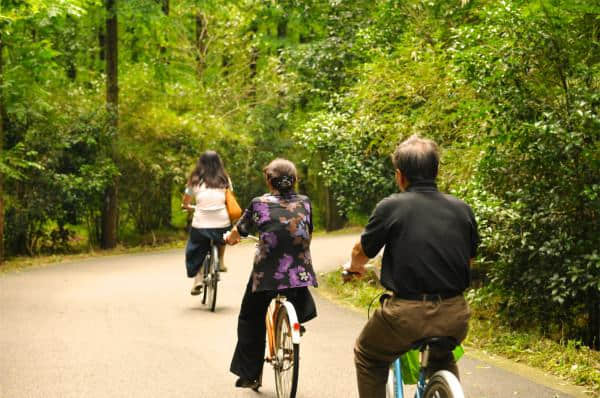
[{"x": 207, "y": 185}]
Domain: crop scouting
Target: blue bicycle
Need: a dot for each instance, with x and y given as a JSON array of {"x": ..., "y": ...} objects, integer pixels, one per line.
[{"x": 443, "y": 384}]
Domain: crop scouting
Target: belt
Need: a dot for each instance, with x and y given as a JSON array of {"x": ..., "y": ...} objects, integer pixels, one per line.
[{"x": 426, "y": 296}]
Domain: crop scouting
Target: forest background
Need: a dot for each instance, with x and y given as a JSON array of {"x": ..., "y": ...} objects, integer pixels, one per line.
[{"x": 106, "y": 105}]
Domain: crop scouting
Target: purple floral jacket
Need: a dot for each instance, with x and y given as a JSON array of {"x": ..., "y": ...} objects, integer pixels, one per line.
[{"x": 284, "y": 224}]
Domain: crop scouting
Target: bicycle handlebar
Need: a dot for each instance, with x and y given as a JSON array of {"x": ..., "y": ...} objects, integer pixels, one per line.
[
  {"x": 249, "y": 237},
  {"x": 348, "y": 275}
]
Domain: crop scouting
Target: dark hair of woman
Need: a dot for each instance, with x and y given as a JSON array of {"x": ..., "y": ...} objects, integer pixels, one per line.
[
  {"x": 282, "y": 175},
  {"x": 210, "y": 171}
]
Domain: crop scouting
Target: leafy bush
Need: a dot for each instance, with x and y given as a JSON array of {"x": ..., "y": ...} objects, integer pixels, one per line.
[{"x": 542, "y": 160}]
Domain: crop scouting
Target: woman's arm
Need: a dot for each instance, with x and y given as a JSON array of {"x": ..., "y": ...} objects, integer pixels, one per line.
[
  {"x": 233, "y": 237},
  {"x": 187, "y": 199}
]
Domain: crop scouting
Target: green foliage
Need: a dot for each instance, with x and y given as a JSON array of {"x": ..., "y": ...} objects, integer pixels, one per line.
[
  {"x": 343, "y": 147},
  {"x": 66, "y": 186},
  {"x": 542, "y": 159}
]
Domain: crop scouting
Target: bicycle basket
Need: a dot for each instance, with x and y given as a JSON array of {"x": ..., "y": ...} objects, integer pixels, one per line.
[{"x": 410, "y": 364}]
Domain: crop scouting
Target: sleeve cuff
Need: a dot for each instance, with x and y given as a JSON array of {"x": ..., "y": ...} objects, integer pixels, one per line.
[{"x": 367, "y": 249}]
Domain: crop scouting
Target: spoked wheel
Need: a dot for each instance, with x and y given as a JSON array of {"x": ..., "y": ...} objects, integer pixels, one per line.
[
  {"x": 443, "y": 384},
  {"x": 211, "y": 280},
  {"x": 287, "y": 357}
]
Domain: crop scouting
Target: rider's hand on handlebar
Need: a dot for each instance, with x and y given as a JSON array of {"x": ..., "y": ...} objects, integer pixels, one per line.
[
  {"x": 349, "y": 272},
  {"x": 232, "y": 237},
  {"x": 187, "y": 207}
]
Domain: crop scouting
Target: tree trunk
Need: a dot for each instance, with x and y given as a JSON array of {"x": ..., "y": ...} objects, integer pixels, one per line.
[
  {"x": 594, "y": 320},
  {"x": 225, "y": 63},
  {"x": 1, "y": 149},
  {"x": 110, "y": 206},
  {"x": 166, "y": 188},
  {"x": 253, "y": 63},
  {"x": 164, "y": 6},
  {"x": 333, "y": 219},
  {"x": 282, "y": 31},
  {"x": 201, "y": 34},
  {"x": 71, "y": 68},
  {"x": 101, "y": 44}
]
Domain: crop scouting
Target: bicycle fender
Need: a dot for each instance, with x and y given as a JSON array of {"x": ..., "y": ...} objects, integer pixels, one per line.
[{"x": 294, "y": 324}]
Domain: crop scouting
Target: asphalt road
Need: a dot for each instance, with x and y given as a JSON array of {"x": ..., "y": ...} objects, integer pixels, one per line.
[{"x": 126, "y": 326}]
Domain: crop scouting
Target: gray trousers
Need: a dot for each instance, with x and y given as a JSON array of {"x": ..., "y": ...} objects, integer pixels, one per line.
[{"x": 394, "y": 327}]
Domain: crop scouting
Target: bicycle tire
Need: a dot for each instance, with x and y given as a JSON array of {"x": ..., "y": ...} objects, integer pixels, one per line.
[
  {"x": 213, "y": 278},
  {"x": 390, "y": 391},
  {"x": 287, "y": 357},
  {"x": 205, "y": 270},
  {"x": 443, "y": 384}
]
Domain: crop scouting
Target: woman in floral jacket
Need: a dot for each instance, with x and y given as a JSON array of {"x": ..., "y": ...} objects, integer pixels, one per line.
[{"x": 282, "y": 264}]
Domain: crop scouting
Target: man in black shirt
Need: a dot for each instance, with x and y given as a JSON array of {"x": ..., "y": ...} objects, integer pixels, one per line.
[{"x": 430, "y": 240}]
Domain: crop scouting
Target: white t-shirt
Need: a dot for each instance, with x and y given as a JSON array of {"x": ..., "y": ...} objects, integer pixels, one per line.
[{"x": 210, "y": 211}]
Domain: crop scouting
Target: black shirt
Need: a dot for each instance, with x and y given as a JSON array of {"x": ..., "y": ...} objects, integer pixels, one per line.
[{"x": 429, "y": 238}]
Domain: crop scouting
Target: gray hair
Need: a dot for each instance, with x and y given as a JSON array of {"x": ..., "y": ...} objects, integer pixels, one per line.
[
  {"x": 417, "y": 158},
  {"x": 282, "y": 174}
]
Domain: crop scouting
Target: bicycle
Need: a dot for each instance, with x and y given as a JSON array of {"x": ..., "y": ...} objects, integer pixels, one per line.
[
  {"x": 210, "y": 267},
  {"x": 442, "y": 384},
  {"x": 283, "y": 344}
]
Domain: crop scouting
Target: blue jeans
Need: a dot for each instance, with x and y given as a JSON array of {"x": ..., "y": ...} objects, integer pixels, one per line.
[{"x": 198, "y": 245}]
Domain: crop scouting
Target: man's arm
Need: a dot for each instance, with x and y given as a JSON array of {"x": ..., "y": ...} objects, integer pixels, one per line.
[
  {"x": 373, "y": 238},
  {"x": 358, "y": 259}
]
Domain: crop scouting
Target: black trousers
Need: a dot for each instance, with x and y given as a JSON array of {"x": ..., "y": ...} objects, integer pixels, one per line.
[{"x": 249, "y": 355}]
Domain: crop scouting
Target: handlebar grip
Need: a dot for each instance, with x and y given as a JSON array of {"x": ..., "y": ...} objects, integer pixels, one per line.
[{"x": 348, "y": 275}]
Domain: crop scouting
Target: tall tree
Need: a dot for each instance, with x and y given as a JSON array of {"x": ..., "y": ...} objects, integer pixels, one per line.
[
  {"x": 1, "y": 149},
  {"x": 110, "y": 206},
  {"x": 164, "y": 6},
  {"x": 201, "y": 40}
]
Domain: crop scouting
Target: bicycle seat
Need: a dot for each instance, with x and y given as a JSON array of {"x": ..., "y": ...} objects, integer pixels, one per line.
[{"x": 440, "y": 343}]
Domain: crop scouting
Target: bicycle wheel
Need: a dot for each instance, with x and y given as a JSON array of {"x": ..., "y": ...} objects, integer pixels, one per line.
[
  {"x": 212, "y": 278},
  {"x": 205, "y": 271},
  {"x": 443, "y": 384},
  {"x": 287, "y": 357}
]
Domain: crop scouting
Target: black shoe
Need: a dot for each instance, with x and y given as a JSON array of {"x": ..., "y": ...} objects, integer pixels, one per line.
[
  {"x": 245, "y": 383},
  {"x": 196, "y": 290}
]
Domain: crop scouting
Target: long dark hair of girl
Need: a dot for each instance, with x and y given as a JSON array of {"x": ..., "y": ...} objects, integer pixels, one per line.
[{"x": 210, "y": 171}]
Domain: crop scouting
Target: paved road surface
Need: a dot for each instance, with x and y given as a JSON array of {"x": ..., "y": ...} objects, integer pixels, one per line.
[{"x": 126, "y": 326}]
